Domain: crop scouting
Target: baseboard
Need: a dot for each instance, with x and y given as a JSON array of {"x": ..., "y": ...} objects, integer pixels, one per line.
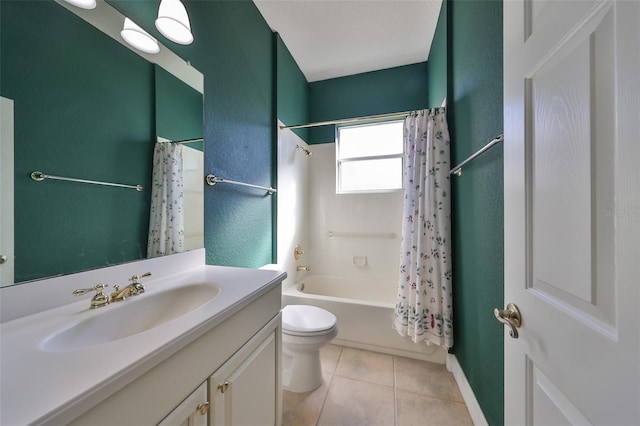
[
  {"x": 467, "y": 393},
  {"x": 435, "y": 354}
]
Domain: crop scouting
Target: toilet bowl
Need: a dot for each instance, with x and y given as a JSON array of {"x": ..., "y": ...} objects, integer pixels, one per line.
[{"x": 305, "y": 329}]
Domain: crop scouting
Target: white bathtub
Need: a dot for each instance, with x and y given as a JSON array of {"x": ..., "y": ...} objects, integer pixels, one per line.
[{"x": 364, "y": 308}]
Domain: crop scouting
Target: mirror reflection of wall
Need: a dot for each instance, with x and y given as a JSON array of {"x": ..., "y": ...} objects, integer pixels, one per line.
[
  {"x": 179, "y": 117},
  {"x": 84, "y": 108}
]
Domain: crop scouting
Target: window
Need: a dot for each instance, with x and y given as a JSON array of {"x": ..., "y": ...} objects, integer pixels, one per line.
[{"x": 369, "y": 157}]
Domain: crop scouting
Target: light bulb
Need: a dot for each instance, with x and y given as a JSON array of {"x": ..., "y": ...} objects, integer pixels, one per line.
[
  {"x": 138, "y": 38},
  {"x": 173, "y": 22},
  {"x": 84, "y": 4}
]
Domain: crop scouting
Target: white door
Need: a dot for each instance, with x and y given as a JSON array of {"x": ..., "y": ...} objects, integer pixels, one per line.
[
  {"x": 6, "y": 192},
  {"x": 572, "y": 211}
]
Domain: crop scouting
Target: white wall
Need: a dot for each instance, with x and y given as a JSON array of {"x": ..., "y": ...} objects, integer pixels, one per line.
[
  {"x": 293, "y": 203},
  {"x": 367, "y": 213},
  {"x": 6, "y": 191},
  {"x": 192, "y": 173}
]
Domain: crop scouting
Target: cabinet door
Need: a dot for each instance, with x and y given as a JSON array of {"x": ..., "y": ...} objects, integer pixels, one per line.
[
  {"x": 193, "y": 411},
  {"x": 245, "y": 390}
]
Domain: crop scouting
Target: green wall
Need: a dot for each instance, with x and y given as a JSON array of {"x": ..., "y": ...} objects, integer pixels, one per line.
[
  {"x": 233, "y": 49},
  {"x": 178, "y": 109},
  {"x": 84, "y": 108},
  {"x": 377, "y": 92},
  {"x": 475, "y": 116},
  {"x": 292, "y": 90},
  {"x": 437, "y": 62}
]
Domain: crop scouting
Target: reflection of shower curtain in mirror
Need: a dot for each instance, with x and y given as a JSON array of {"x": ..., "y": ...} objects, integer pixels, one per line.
[{"x": 166, "y": 223}]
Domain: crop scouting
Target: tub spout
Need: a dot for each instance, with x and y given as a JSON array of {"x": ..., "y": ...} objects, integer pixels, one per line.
[{"x": 303, "y": 268}]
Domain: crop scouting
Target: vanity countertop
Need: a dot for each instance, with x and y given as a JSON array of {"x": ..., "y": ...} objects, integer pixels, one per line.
[{"x": 44, "y": 386}]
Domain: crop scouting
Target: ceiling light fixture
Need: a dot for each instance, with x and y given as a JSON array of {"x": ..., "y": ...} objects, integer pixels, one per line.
[
  {"x": 139, "y": 38},
  {"x": 173, "y": 22},
  {"x": 84, "y": 4}
]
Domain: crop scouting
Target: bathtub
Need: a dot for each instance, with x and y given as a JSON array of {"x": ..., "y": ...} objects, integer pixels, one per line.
[{"x": 364, "y": 309}]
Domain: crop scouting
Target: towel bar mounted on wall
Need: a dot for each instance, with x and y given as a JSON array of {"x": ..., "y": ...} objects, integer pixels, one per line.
[
  {"x": 187, "y": 141},
  {"x": 457, "y": 170},
  {"x": 39, "y": 177},
  {"x": 212, "y": 180},
  {"x": 389, "y": 235}
]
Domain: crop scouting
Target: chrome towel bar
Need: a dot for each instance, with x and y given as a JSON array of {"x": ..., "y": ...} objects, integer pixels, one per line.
[
  {"x": 40, "y": 176},
  {"x": 389, "y": 235},
  {"x": 187, "y": 141},
  {"x": 457, "y": 170},
  {"x": 212, "y": 180}
]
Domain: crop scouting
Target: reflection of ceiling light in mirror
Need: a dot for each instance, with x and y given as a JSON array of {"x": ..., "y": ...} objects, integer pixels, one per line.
[
  {"x": 84, "y": 4},
  {"x": 138, "y": 38},
  {"x": 173, "y": 22}
]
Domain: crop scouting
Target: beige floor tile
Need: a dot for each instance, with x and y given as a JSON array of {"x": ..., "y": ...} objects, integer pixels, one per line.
[
  {"x": 426, "y": 378},
  {"x": 354, "y": 403},
  {"x": 329, "y": 356},
  {"x": 359, "y": 390},
  {"x": 366, "y": 366},
  {"x": 417, "y": 410},
  {"x": 303, "y": 409}
]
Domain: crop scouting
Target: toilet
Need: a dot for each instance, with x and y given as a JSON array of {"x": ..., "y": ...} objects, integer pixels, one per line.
[{"x": 305, "y": 329}]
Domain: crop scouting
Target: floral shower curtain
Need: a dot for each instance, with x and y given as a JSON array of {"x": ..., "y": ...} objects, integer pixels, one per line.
[
  {"x": 423, "y": 307},
  {"x": 166, "y": 222}
]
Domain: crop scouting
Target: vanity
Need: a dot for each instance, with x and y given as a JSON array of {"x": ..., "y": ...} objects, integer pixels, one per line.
[{"x": 201, "y": 343}]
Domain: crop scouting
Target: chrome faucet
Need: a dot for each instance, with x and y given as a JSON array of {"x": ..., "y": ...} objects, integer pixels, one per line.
[{"x": 134, "y": 288}]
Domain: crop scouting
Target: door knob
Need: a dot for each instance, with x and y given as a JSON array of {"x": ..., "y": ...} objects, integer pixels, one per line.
[
  {"x": 510, "y": 317},
  {"x": 3, "y": 259}
]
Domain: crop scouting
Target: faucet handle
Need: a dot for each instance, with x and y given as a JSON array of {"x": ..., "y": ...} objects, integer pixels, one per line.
[
  {"x": 136, "y": 278},
  {"x": 99, "y": 288},
  {"x": 137, "y": 287},
  {"x": 99, "y": 299}
]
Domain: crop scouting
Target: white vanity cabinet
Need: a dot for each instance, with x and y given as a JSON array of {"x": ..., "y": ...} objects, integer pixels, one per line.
[
  {"x": 243, "y": 351},
  {"x": 243, "y": 391},
  {"x": 246, "y": 389},
  {"x": 193, "y": 411}
]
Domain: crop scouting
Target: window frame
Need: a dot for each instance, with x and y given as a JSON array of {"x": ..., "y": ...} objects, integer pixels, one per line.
[{"x": 339, "y": 161}]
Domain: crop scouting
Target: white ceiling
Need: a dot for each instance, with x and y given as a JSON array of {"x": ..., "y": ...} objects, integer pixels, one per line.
[{"x": 335, "y": 38}]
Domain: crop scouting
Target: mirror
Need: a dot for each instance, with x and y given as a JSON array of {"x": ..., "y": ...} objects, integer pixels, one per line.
[
  {"x": 85, "y": 107},
  {"x": 179, "y": 118}
]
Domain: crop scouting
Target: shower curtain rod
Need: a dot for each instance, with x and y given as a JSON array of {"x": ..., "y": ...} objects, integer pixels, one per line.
[{"x": 348, "y": 120}]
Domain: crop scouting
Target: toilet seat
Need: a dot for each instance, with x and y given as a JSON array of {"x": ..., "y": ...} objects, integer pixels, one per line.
[{"x": 306, "y": 320}]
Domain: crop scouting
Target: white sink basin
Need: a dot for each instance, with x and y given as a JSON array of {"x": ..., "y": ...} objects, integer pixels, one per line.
[{"x": 131, "y": 316}]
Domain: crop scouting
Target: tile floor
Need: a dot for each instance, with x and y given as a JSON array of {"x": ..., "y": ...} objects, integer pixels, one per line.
[{"x": 368, "y": 388}]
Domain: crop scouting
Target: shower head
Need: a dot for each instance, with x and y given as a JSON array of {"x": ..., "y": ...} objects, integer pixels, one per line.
[{"x": 306, "y": 151}]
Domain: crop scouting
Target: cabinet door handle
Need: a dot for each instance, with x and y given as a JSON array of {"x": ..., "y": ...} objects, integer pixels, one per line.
[
  {"x": 223, "y": 387},
  {"x": 203, "y": 408}
]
